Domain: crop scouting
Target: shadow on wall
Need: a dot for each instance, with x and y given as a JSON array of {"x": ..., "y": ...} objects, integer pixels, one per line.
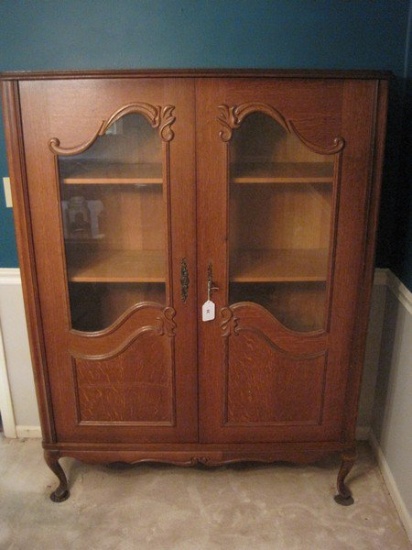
[
  {"x": 402, "y": 259},
  {"x": 388, "y": 363},
  {"x": 393, "y": 407}
]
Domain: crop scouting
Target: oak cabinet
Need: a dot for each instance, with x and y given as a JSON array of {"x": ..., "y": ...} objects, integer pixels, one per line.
[{"x": 197, "y": 254}]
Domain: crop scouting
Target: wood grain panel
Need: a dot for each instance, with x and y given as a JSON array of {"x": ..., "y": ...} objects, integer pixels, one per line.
[
  {"x": 266, "y": 386},
  {"x": 280, "y": 217},
  {"x": 135, "y": 386}
]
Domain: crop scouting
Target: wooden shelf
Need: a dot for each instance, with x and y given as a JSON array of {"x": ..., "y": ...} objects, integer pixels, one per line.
[
  {"x": 88, "y": 172},
  {"x": 118, "y": 266},
  {"x": 282, "y": 172},
  {"x": 272, "y": 266}
]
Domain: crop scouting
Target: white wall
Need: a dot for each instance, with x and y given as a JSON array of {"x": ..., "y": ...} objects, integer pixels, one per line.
[
  {"x": 15, "y": 363},
  {"x": 392, "y": 411}
]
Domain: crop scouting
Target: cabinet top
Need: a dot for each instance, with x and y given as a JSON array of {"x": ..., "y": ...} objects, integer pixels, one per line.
[{"x": 199, "y": 73}]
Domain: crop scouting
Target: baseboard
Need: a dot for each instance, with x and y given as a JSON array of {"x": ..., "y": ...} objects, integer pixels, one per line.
[
  {"x": 391, "y": 485},
  {"x": 28, "y": 432}
]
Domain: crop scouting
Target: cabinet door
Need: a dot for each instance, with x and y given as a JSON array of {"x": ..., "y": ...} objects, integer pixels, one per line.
[
  {"x": 110, "y": 184},
  {"x": 283, "y": 190}
]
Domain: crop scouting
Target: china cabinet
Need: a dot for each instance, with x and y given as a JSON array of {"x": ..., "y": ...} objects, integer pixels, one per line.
[{"x": 196, "y": 250}]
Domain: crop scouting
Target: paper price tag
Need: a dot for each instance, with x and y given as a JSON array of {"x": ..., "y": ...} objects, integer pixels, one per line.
[{"x": 208, "y": 311}]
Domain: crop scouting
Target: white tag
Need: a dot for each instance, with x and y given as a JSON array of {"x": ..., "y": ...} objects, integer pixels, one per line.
[{"x": 208, "y": 311}]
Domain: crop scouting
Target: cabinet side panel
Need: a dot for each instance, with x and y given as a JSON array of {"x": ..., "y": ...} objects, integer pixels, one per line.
[
  {"x": 23, "y": 226},
  {"x": 376, "y": 156},
  {"x": 350, "y": 295}
]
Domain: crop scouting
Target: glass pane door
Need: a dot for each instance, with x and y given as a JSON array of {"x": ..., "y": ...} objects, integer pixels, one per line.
[
  {"x": 114, "y": 223},
  {"x": 280, "y": 223}
]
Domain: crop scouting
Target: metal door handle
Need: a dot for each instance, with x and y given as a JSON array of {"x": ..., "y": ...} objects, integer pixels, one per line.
[{"x": 210, "y": 284}]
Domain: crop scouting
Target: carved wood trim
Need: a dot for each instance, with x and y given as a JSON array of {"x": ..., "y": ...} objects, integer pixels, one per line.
[
  {"x": 229, "y": 322},
  {"x": 277, "y": 348},
  {"x": 232, "y": 318},
  {"x": 119, "y": 349},
  {"x": 165, "y": 326},
  {"x": 230, "y": 325},
  {"x": 54, "y": 143},
  {"x": 336, "y": 147},
  {"x": 157, "y": 116},
  {"x": 122, "y": 320},
  {"x": 232, "y": 117}
]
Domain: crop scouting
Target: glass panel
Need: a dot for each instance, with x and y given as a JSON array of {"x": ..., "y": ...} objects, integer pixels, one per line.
[
  {"x": 280, "y": 223},
  {"x": 114, "y": 223}
]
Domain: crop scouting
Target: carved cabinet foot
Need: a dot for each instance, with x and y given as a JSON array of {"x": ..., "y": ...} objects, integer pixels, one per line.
[
  {"x": 62, "y": 492},
  {"x": 344, "y": 496}
]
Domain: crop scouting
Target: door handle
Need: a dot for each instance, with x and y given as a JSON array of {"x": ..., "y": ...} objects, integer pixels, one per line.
[{"x": 210, "y": 284}]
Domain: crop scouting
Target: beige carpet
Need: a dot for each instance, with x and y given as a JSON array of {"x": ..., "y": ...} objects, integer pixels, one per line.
[{"x": 253, "y": 507}]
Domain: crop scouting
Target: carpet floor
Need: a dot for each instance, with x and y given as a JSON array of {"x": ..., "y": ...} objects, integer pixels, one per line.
[{"x": 161, "y": 507}]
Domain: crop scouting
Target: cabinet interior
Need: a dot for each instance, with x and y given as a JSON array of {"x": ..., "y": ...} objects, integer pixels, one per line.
[
  {"x": 279, "y": 217},
  {"x": 280, "y": 220},
  {"x": 114, "y": 217}
]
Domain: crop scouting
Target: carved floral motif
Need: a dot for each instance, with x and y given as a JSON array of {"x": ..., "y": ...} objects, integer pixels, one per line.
[{"x": 229, "y": 322}]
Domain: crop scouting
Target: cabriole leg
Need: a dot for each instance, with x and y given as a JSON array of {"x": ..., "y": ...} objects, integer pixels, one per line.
[
  {"x": 62, "y": 492},
  {"x": 344, "y": 496}
]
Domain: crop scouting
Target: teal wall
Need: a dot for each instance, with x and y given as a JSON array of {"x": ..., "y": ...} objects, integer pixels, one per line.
[{"x": 82, "y": 34}]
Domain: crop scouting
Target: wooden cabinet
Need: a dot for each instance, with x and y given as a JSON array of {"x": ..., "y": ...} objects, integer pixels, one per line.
[{"x": 197, "y": 255}]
